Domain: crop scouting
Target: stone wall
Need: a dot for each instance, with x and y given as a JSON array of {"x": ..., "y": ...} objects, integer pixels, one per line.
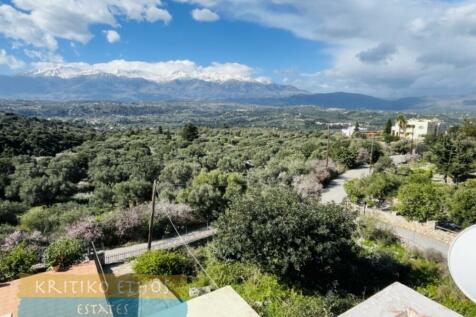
[{"x": 427, "y": 229}]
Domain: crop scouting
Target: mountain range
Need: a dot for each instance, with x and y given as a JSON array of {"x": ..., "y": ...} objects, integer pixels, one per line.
[{"x": 105, "y": 86}]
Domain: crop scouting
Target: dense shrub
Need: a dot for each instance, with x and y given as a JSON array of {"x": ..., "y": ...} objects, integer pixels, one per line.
[
  {"x": 344, "y": 154},
  {"x": 63, "y": 253},
  {"x": 462, "y": 206},
  {"x": 132, "y": 192},
  {"x": 384, "y": 163},
  {"x": 401, "y": 147},
  {"x": 284, "y": 233},
  {"x": 41, "y": 219},
  {"x": 370, "y": 230},
  {"x": 311, "y": 184},
  {"x": 5, "y": 230},
  {"x": 9, "y": 212},
  {"x": 210, "y": 192},
  {"x": 421, "y": 202},
  {"x": 16, "y": 261},
  {"x": 453, "y": 156},
  {"x": 373, "y": 189},
  {"x": 189, "y": 132},
  {"x": 155, "y": 263}
]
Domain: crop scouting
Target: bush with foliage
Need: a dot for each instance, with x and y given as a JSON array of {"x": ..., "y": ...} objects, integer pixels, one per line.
[
  {"x": 372, "y": 149},
  {"x": 132, "y": 192},
  {"x": 384, "y": 163},
  {"x": 9, "y": 211},
  {"x": 344, "y": 154},
  {"x": 64, "y": 253},
  {"x": 401, "y": 147},
  {"x": 5, "y": 230},
  {"x": 189, "y": 132},
  {"x": 370, "y": 230},
  {"x": 16, "y": 261},
  {"x": 453, "y": 156},
  {"x": 373, "y": 189},
  {"x": 157, "y": 263},
  {"x": 421, "y": 202},
  {"x": 462, "y": 205},
  {"x": 210, "y": 192},
  {"x": 39, "y": 137},
  {"x": 41, "y": 219},
  {"x": 269, "y": 295},
  {"x": 284, "y": 233}
]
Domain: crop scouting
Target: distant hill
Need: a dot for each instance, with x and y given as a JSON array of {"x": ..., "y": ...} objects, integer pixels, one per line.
[
  {"x": 110, "y": 87},
  {"x": 342, "y": 100},
  {"x": 126, "y": 89}
]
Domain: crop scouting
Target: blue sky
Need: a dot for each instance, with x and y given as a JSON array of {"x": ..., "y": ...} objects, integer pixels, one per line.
[
  {"x": 393, "y": 49},
  {"x": 264, "y": 48},
  {"x": 270, "y": 51}
]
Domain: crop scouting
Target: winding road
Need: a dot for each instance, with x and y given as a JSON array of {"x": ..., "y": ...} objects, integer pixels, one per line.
[{"x": 335, "y": 192}]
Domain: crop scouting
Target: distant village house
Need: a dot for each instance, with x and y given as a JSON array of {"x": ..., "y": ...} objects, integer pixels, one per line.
[{"x": 417, "y": 129}]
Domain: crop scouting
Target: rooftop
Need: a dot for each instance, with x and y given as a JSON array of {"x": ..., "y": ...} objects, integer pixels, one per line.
[
  {"x": 398, "y": 300},
  {"x": 223, "y": 302}
]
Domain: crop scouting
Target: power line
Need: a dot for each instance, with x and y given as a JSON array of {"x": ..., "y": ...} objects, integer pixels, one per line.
[{"x": 189, "y": 251}]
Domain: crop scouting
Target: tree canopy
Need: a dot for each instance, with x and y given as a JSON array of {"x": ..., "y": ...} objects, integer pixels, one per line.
[{"x": 284, "y": 233}]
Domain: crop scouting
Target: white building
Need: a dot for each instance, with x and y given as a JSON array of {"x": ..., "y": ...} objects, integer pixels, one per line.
[
  {"x": 349, "y": 131},
  {"x": 419, "y": 128}
]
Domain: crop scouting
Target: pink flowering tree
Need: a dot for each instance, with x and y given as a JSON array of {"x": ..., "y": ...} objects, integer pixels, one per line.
[
  {"x": 12, "y": 240},
  {"x": 86, "y": 229}
]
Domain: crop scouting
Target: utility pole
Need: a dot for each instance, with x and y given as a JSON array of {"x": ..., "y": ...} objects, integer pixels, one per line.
[
  {"x": 328, "y": 144},
  {"x": 372, "y": 155},
  {"x": 411, "y": 145},
  {"x": 152, "y": 215}
]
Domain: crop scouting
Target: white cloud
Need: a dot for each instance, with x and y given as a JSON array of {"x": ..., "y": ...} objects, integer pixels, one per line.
[
  {"x": 154, "y": 14},
  {"x": 41, "y": 23},
  {"x": 158, "y": 72},
  {"x": 391, "y": 48},
  {"x": 44, "y": 55},
  {"x": 10, "y": 61},
  {"x": 204, "y": 15},
  {"x": 112, "y": 36}
]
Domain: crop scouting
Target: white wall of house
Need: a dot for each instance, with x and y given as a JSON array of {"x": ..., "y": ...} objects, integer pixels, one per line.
[{"x": 419, "y": 128}]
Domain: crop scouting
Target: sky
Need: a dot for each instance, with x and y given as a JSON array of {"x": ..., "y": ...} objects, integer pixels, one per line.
[{"x": 390, "y": 48}]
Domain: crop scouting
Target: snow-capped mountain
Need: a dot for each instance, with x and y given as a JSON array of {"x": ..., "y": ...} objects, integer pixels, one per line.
[
  {"x": 61, "y": 85},
  {"x": 135, "y": 80},
  {"x": 159, "y": 72}
]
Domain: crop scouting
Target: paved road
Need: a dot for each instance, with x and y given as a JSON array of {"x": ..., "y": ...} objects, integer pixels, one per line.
[
  {"x": 420, "y": 241},
  {"x": 118, "y": 255},
  {"x": 335, "y": 192}
]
